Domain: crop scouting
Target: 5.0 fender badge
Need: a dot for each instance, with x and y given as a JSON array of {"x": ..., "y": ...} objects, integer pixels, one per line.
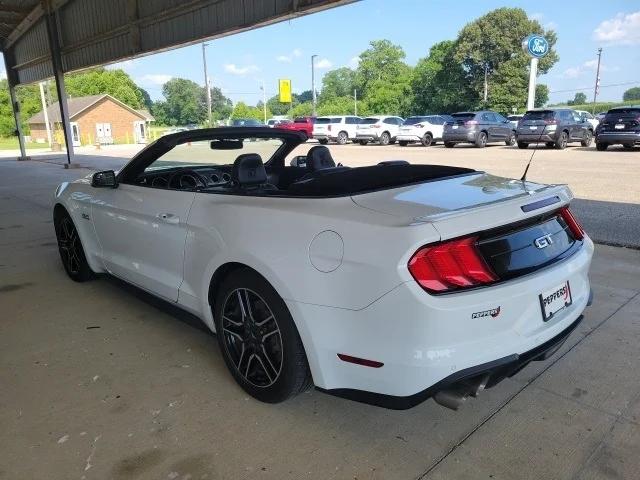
[{"x": 494, "y": 312}]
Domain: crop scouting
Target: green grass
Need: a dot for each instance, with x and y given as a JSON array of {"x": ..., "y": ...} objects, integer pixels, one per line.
[
  {"x": 11, "y": 143},
  {"x": 597, "y": 107}
]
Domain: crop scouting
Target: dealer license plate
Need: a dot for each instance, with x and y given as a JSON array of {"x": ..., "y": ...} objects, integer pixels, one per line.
[
  {"x": 554, "y": 300},
  {"x": 620, "y": 126},
  {"x": 455, "y": 127},
  {"x": 533, "y": 127}
]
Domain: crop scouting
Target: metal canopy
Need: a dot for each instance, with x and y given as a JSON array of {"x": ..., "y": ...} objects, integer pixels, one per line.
[{"x": 95, "y": 32}]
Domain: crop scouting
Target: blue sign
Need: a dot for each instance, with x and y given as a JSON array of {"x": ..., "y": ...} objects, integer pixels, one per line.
[{"x": 536, "y": 46}]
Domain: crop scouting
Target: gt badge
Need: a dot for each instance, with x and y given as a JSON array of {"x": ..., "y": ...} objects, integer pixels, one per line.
[
  {"x": 494, "y": 312},
  {"x": 543, "y": 242}
]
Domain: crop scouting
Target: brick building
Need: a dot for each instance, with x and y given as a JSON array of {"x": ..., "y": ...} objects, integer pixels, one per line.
[{"x": 94, "y": 119}]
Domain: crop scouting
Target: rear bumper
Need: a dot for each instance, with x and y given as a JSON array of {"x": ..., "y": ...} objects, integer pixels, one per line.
[
  {"x": 535, "y": 137},
  {"x": 404, "y": 137},
  {"x": 618, "y": 137},
  {"x": 424, "y": 340},
  {"x": 459, "y": 136},
  {"x": 321, "y": 136},
  {"x": 367, "y": 136}
]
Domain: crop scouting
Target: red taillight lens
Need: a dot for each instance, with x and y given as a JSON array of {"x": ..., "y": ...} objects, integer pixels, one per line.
[
  {"x": 576, "y": 229},
  {"x": 450, "y": 265},
  {"x": 551, "y": 122}
]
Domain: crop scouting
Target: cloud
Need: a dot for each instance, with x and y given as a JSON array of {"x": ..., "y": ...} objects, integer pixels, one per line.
[
  {"x": 623, "y": 29},
  {"x": 154, "y": 79},
  {"x": 234, "y": 69},
  {"x": 354, "y": 62},
  {"x": 126, "y": 65},
  {"x": 289, "y": 57},
  {"x": 589, "y": 65},
  {"x": 324, "y": 63}
]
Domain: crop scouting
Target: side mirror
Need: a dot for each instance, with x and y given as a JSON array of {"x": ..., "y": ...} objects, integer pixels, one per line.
[
  {"x": 105, "y": 179},
  {"x": 299, "y": 161}
]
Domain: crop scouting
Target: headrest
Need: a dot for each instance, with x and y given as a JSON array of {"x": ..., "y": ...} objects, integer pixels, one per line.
[
  {"x": 248, "y": 170},
  {"x": 319, "y": 158}
]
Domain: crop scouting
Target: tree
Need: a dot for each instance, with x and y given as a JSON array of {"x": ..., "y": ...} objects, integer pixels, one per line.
[
  {"x": 631, "y": 94},
  {"x": 279, "y": 108},
  {"x": 337, "y": 106},
  {"x": 30, "y": 104},
  {"x": 302, "y": 109},
  {"x": 305, "y": 96},
  {"x": 542, "y": 95},
  {"x": 579, "y": 99},
  {"x": 113, "y": 82},
  {"x": 221, "y": 106},
  {"x": 185, "y": 102},
  {"x": 491, "y": 44},
  {"x": 438, "y": 83},
  {"x": 242, "y": 110},
  {"x": 338, "y": 83},
  {"x": 381, "y": 61}
]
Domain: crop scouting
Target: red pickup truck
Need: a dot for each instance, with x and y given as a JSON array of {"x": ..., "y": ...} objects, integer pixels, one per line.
[{"x": 301, "y": 124}]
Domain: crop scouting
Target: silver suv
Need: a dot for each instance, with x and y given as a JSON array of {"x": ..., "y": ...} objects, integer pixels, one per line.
[{"x": 478, "y": 128}]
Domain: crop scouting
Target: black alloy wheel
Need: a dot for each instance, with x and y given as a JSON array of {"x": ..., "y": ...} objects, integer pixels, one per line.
[
  {"x": 562, "y": 141},
  {"x": 70, "y": 248},
  {"x": 588, "y": 138}
]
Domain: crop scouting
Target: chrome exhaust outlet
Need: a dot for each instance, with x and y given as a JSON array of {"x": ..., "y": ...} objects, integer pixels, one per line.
[
  {"x": 458, "y": 393},
  {"x": 450, "y": 398}
]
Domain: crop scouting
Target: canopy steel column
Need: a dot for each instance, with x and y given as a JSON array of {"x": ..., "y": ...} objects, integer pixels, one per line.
[
  {"x": 15, "y": 106},
  {"x": 58, "y": 73}
]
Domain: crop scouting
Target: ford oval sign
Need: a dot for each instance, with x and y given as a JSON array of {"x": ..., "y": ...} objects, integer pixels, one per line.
[{"x": 536, "y": 46}]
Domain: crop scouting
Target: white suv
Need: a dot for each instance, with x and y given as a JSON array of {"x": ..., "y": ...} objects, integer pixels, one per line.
[
  {"x": 589, "y": 118},
  {"x": 424, "y": 129},
  {"x": 338, "y": 129},
  {"x": 379, "y": 128}
]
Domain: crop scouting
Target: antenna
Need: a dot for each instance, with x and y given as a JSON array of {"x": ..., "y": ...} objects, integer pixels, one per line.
[{"x": 535, "y": 149}]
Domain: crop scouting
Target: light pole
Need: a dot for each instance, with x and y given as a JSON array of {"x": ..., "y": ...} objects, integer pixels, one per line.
[
  {"x": 355, "y": 102},
  {"x": 264, "y": 102},
  {"x": 313, "y": 82},
  {"x": 206, "y": 83},
  {"x": 597, "y": 87}
]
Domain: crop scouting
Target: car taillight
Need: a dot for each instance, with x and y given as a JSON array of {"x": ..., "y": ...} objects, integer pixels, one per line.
[
  {"x": 471, "y": 122},
  {"x": 418, "y": 125},
  {"x": 551, "y": 122},
  {"x": 377, "y": 125},
  {"x": 450, "y": 265},
  {"x": 576, "y": 229}
]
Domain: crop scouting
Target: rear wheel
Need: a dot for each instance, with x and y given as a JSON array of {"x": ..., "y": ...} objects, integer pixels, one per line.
[
  {"x": 403, "y": 143},
  {"x": 523, "y": 145},
  {"x": 323, "y": 141},
  {"x": 343, "y": 138},
  {"x": 588, "y": 138},
  {"x": 481, "y": 140},
  {"x": 562, "y": 141},
  {"x": 385, "y": 138},
  {"x": 70, "y": 248},
  {"x": 427, "y": 139},
  {"x": 258, "y": 338},
  {"x": 449, "y": 144},
  {"x": 600, "y": 146},
  {"x": 511, "y": 139}
]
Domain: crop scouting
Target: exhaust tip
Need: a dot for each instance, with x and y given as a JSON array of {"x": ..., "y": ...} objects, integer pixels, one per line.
[{"x": 458, "y": 393}]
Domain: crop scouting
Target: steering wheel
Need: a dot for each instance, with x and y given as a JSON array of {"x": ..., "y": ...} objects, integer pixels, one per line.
[{"x": 186, "y": 180}]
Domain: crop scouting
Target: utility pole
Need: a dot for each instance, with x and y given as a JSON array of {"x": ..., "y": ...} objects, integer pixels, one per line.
[
  {"x": 486, "y": 86},
  {"x": 313, "y": 82},
  {"x": 206, "y": 83},
  {"x": 45, "y": 113},
  {"x": 355, "y": 102},
  {"x": 597, "y": 87},
  {"x": 264, "y": 102}
]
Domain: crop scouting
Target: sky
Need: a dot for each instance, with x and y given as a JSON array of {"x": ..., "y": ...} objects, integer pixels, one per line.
[{"x": 240, "y": 63}]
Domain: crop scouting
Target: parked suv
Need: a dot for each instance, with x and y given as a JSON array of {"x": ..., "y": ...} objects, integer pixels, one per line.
[
  {"x": 478, "y": 128},
  {"x": 338, "y": 129},
  {"x": 381, "y": 128},
  {"x": 555, "y": 127},
  {"x": 620, "y": 125},
  {"x": 426, "y": 130}
]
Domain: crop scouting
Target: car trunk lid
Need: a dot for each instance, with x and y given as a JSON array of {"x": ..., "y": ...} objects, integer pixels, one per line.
[{"x": 622, "y": 120}]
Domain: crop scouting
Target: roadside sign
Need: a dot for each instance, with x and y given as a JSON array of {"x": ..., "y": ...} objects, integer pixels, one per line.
[
  {"x": 535, "y": 46},
  {"x": 284, "y": 89}
]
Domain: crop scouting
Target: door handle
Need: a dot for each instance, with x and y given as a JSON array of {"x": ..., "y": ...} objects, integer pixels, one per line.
[{"x": 169, "y": 218}]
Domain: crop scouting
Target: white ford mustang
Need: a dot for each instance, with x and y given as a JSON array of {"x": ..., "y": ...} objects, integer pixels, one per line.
[{"x": 387, "y": 284}]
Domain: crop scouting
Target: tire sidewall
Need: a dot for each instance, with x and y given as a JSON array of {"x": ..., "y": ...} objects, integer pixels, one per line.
[
  {"x": 385, "y": 138},
  {"x": 84, "y": 272}
]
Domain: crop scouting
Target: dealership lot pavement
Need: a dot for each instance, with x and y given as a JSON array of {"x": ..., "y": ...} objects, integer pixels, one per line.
[{"x": 101, "y": 381}]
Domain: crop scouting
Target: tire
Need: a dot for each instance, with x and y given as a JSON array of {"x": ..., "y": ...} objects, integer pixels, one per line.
[
  {"x": 363, "y": 142},
  {"x": 550, "y": 144},
  {"x": 385, "y": 138},
  {"x": 265, "y": 357},
  {"x": 426, "y": 139},
  {"x": 601, "y": 147},
  {"x": 523, "y": 145},
  {"x": 323, "y": 141},
  {"x": 343, "y": 138},
  {"x": 481, "y": 140},
  {"x": 403, "y": 143},
  {"x": 449, "y": 144},
  {"x": 588, "y": 138},
  {"x": 511, "y": 140},
  {"x": 562, "y": 141},
  {"x": 71, "y": 250}
]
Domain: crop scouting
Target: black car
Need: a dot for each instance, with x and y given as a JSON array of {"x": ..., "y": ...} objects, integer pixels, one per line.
[
  {"x": 478, "y": 128},
  {"x": 556, "y": 127},
  {"x": 620, "y": 125}
]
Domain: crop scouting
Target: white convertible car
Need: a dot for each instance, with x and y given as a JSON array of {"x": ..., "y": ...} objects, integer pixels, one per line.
[{"x": 387, "y": 284}]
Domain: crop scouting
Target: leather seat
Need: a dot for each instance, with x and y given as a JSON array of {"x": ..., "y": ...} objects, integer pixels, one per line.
[
  {"x": 248, "y": 173},
  {"x": 319, "y": 158}
]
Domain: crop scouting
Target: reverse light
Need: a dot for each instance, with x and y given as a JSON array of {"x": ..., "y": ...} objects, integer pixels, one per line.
[
  {"x": 576, "y": 229},
  {"x": 451, "y": 265}
]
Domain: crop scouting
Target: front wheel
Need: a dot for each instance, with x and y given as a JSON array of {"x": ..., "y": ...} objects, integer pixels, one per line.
[
  {"x": 481, "y": 140},
  {"x": 385, "y": 138},
  {"x": 70, "y": 248},
  {"x": 258, "y": 338},
  {"x": 426, "y": 140},
  {"x": 343, "y": 138},
  {"x": 588, "y": 138},
  {"x": 562, "y": 141},
  {"x": 601, "y": 147}
]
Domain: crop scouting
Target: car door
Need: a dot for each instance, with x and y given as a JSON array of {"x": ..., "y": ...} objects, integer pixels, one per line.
[
  {"x": 142, "y": 232},
  {"x": 488, "y": 120},
  {"x": 503, "y": 125},
  {"x": 580, "y": 126}
]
